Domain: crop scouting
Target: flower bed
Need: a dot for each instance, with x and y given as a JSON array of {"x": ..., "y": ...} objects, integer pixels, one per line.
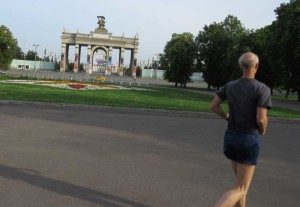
[{"x": 71, "y": 85}]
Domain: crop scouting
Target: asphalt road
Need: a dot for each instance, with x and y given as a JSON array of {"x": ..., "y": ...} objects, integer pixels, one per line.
[{"x": 71, "y": 157}]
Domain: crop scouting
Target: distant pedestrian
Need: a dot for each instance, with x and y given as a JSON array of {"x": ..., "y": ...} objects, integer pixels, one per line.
[{"x": 248, "y": 101}]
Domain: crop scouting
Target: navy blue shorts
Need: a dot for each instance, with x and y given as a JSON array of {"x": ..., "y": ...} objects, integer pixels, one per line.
[{"x": 242, "y": 147}]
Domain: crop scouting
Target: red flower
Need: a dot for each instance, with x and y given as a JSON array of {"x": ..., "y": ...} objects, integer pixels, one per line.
[{"x": 76, "y": 86}]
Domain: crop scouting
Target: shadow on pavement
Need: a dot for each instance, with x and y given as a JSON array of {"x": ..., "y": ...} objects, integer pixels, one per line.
[{"x": 34, "y": 178}]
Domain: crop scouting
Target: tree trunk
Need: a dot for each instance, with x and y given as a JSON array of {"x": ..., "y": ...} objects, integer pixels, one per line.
[
  {"x": 184, "y": 85},
  {"x": 298, "y": 92},
  {"x": 176, "y": 84},
  {"x": 272, "y": 90},
  {"x": 287, "y": 93},
  {"x": 208, "y": 87}
]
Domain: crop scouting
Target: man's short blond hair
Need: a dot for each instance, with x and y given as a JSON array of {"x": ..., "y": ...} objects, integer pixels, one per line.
[{"x": 248, "y": 60}]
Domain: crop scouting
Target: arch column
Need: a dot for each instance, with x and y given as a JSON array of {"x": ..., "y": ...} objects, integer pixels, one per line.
[
  {"x": 64, "y": 57},
  {"x": 89, "y": 66},
  {"x": 121, "y": 62},
  {"x": 77, "y": 59},
  {"x": 109, "y": 61},
  {"x": 89, "y": 51},
  {"x": 133, "y": 61}
]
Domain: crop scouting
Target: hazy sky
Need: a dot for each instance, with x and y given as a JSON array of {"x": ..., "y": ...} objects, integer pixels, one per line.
[{"x": 41, "y": 22}]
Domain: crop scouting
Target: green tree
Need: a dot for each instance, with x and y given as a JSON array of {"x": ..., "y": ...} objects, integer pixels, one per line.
[
  {"x": 47, "y": 58},
  {"x": 18, "y": 53},
  {"x": 262, "y": 43},
  {"x": 219, "y": 47},
  {"x": 56, "y": 66},
  {"x": 70, "y": 66},
  {"x": 31, "y": 55},
  {"x": 178, "y": 58},
  {"x": 211, "y": 45},
  {"x": 287, "y": 36},
  {"x": 8, "y": 47}
]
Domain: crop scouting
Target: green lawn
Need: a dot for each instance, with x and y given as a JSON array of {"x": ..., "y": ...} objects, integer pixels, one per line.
[
  {"x": 156, "y": 98},
  {"x": 291, "y": 97}
]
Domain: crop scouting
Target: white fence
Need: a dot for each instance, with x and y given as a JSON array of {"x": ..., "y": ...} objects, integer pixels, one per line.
[
  {"x": 154, "y": 73},
  {"x": 30, "y": 65}
]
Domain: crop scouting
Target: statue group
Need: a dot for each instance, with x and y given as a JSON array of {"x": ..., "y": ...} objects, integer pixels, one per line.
[{"x": 101, "y": 21}]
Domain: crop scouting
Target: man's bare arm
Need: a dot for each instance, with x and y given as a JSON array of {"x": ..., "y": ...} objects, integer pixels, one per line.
[
  {"x": 262, "y": 119},
  {"x": 216, "y": 107}
]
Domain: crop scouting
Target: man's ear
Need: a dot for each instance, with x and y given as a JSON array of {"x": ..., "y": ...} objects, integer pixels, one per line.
[{"x": 256, "y": 66}]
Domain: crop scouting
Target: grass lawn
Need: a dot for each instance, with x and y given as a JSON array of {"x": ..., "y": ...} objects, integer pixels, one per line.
[
  {"x": 156, "y": 98},
  {"x": 291, "y": 97}
]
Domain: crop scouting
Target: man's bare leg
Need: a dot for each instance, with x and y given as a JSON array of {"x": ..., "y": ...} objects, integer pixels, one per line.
[
  {"x": 242, "y": 201},
  {"x": 243, "y": 180}
]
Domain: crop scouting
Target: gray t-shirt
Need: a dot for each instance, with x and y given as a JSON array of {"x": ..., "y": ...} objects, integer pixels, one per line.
[{"x": 244, "y": 97}]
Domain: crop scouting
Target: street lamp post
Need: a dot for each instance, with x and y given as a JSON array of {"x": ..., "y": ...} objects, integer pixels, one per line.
[
  {"x": 24, "y": 61},
  {"x": 35, "y": 45},
  {"x": 156, "y": 65},
  {"x": 44, "y": 48}
]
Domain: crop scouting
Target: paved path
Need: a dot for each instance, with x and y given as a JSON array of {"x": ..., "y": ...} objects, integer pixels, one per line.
[{"x": 77, "y": 157}]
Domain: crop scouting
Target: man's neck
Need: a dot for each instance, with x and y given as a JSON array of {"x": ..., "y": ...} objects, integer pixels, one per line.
[{"x": 249, "y": 74}]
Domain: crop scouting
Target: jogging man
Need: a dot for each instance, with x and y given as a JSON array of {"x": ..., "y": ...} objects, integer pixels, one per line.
[{"x": 248, "y": 101}]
